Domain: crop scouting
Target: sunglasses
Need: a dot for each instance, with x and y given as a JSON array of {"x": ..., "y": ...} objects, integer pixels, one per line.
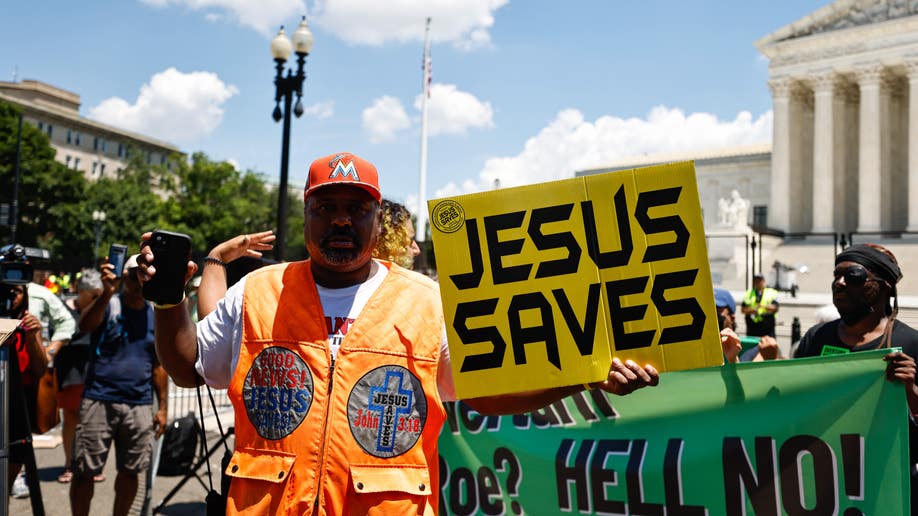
[{"x": 855, "y": 275}]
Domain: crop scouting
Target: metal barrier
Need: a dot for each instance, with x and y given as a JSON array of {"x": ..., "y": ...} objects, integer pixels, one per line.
[{"x": 183, "y": 401}]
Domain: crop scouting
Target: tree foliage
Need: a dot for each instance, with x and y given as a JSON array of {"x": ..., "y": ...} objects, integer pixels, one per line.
[{"x": 210, "y": 201}]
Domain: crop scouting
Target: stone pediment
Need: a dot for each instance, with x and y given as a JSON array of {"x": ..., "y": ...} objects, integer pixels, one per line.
[{"x": 840, "y": 15}]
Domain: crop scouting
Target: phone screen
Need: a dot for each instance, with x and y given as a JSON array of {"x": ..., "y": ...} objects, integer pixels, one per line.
[{"x": 117, "y": 255}]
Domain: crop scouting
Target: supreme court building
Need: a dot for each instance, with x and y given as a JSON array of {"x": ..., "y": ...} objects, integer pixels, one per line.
[{"x": 844, "y": 153}]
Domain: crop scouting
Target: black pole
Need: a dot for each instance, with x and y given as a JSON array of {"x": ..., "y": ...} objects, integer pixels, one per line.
[
  {"x": 14, "y": 206},
  {"x": 281, "y": 244}
]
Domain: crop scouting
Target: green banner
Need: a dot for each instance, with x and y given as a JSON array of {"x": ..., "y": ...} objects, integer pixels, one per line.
[{"x": 807, "y": 436}]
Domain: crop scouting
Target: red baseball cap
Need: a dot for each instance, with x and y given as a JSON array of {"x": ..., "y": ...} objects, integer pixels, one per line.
[{"x": 343, "y": 168}]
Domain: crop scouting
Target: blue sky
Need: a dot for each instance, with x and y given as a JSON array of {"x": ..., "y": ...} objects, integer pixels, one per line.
[{"x": 523, "y": 90}]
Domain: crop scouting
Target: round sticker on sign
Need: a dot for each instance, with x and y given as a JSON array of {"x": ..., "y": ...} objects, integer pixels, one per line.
[
  {"x": 448, "y": 216},
  {"x": 387, "y": 410},
  {"x": 277, "y": 392}
]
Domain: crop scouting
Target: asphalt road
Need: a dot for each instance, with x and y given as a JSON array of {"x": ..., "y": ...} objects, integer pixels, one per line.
[{"x": 188, "y": 500}]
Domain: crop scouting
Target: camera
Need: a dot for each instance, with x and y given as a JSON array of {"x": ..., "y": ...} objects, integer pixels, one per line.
[{"x": 15, "y": 269}]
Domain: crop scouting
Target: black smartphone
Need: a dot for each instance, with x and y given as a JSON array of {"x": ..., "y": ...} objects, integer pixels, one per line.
[
  {"x": 117, "y": 256},
  {"x": 171, "y": 252}
]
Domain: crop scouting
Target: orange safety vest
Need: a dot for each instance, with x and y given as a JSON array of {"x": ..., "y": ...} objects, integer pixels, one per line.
[{"x": 357, "y": 435}]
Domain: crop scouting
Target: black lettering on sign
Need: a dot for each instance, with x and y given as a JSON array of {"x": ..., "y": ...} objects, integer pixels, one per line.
[
  {"x": 636, "y": 482},
  {"x": 586, "y": 334},
  {"x": 544, "y": 332},
  {"x": 670, "y": 224},
  {"x": 497, "y": 249},
  {"x": 619, "y": 314},
  {"x": 563, "y": 240},
  {"x": 741, "y": 477},
  {"x": 506, "y": 462},
  {"x": 492, "y": 359},
  {"x": 600, "y": 477},
  {"x": 471, "y": 279},
  {"x": 574, "y": 475},
  {"x": 789, "y": 458},
  {"x": 607, "y": 259},
  {"x": 672, "y": 483},
  {"x": 489, "y": 492},
  {"x": 463, "y": 494},
  {"x": 688, "y": 332}
]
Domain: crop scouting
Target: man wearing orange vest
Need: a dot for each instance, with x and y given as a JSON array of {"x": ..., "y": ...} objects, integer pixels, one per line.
[{"x": 337, "y": 366}]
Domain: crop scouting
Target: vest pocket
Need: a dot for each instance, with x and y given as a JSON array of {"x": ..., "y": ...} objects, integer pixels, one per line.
[
  {"x": 390, "y": 489},
  {"x": 259, "y": 478}
]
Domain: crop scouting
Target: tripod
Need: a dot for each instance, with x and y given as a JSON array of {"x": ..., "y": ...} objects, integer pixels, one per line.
[
  {"x": 205, "y": 458},
  {"x": 8, "y": 327}
]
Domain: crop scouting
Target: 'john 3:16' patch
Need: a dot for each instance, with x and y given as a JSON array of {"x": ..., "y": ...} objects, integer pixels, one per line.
[{"x": 387, "y": 410}]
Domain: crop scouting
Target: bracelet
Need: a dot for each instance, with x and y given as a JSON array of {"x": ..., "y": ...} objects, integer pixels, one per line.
[
  {"x": 215, "y": 261},
  {"x": 168, "y": 306}
]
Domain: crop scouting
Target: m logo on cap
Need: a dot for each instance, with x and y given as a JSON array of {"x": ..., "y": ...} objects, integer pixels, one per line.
[{"x": 341, "y": 169}]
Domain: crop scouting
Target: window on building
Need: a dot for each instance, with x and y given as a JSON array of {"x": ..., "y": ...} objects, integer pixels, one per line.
[
  {"x": 76, "y": 163},
  {"x": 120, "y": 150},
  {"x": 760, "y": 216},
  {"x": 69, "y": 136},
  {"x": 78, "y": 137},
  {"x": 95, "y": 143},
  {"x": 102, "y": 171},
  {"x": 149, "y": 158},
  {"x": 41, "y": 126},
  {"x": 162, "y": 160},
  {"x": 67, "y": 161},
  {"x": 103, "y": 144},
  {"x": 50, "y": 131},
  {"x": 95, "y": 165}
]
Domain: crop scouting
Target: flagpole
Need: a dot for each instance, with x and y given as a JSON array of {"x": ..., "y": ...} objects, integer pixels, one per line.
[{"x": 421, "y": 229}]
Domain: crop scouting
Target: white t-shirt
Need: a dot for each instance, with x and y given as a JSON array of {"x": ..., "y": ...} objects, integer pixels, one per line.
[{"x": 220, "y": 333}]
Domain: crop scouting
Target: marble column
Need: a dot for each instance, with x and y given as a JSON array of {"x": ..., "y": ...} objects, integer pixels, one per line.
[
  {"x": 870, "y": 162},
  {"x": 779, "y": 207},
  {"x": 823, "y": 152},
  {"x": 911, "y": 68}
]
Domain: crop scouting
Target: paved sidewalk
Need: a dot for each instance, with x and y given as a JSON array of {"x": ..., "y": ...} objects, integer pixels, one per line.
[{"x": 189, "y": 500}]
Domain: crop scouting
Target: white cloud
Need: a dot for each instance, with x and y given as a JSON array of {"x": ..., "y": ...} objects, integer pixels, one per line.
[
  {"x": 233, "y": 162},
  {"x": 569, "y": 143},
  {"x": 265, "y": 16},
  {"x": 174, "y": 106},
  {"x": 451, "y": 111},
  {"x": 321, "y": 110},
  {"x": 466, "y": 24},
  {"x": 384, "y": 118}
]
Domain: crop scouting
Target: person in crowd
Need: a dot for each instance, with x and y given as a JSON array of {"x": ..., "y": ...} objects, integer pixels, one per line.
[
  {"x": 121, "y": 377},
  {"x": 70, "y": 366},
  {"x": 731, "y": 344},
  {"x": 352, "y": 337},
  {"x": 760, "y": 304},
  {"x": 57, "y": 322},
  {"x": 864, "y": 292},
  {"x": 27, "y": 363},
  {"x": 396, "y": 241},
  {"x": 57, "y": 325}
]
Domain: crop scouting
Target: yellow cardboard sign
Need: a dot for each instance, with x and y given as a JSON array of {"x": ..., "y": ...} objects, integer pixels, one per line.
[{"x": 543, "y": 284}]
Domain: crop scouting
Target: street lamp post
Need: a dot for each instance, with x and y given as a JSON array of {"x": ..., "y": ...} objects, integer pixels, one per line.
[
  {"x": 98, "y": 217},
  {"x": 285, "y": 87}
]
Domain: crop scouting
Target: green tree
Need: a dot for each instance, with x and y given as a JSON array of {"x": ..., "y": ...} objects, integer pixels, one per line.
[
  {"x": 212, "y": 201},
  {"x": 48, "y": 191}
]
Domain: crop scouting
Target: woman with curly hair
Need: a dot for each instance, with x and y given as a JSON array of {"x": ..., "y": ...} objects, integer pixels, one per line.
[{"x": 396, "y": 238}]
